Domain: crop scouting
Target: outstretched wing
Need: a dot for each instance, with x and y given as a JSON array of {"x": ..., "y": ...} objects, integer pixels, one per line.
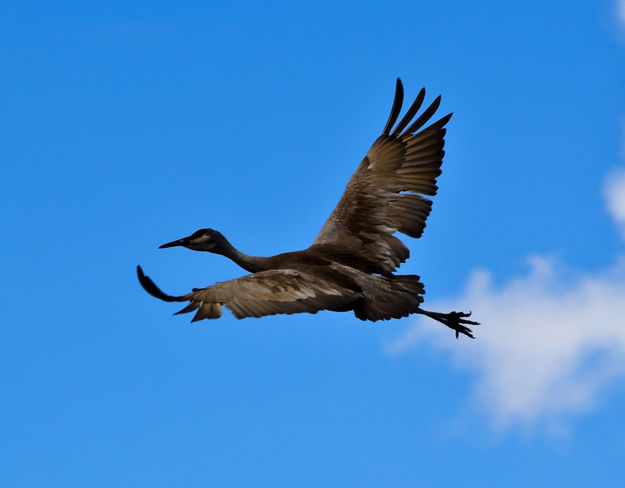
[
  {"x": 385, "y": 194},
  {"x": 270, "y": 292}
]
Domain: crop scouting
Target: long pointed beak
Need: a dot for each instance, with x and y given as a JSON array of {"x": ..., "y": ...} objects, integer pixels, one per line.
[{"x": 179, "y": 242}]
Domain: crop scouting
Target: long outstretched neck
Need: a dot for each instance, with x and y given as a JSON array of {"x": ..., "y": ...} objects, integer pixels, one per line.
[{"x": 253, "y": 264}]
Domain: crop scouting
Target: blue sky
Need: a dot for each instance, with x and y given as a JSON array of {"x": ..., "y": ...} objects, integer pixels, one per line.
[{"x": 129, "y": 124}]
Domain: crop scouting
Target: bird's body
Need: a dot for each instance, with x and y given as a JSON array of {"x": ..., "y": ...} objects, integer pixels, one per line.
[{"x": 351, "y": 263}]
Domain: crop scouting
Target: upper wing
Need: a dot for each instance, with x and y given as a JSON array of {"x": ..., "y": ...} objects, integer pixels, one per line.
[
  {"x": 265, "y": 293},
  {"x": 384, "y": 195}
]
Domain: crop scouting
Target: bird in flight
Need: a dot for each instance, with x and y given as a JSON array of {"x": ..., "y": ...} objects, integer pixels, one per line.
[{"x": 351, "y": 263}]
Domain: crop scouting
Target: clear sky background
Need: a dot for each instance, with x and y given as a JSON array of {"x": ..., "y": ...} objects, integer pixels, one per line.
[{"x": 125, "y": 125}]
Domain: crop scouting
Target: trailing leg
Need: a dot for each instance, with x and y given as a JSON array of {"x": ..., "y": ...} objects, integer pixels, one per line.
[{"x": 453, "y": 320}]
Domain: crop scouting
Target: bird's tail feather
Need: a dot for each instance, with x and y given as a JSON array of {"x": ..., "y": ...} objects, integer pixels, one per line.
[{"x": 391, "y": 298}]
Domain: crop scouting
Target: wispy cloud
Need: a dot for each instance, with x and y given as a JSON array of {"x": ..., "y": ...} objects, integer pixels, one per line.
[
  {"x": 549, "y": 344},
  {"x": 553, "y": 339},
  {"x": 615, "y": 197},
  {"x": 620, "y": 6}
]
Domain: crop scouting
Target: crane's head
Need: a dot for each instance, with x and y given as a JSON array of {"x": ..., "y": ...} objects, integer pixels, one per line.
[{"x": 201, "y": 240}]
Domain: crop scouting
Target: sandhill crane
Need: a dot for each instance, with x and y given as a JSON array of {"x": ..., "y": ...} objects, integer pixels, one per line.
[{"x": 350, "y": 264}]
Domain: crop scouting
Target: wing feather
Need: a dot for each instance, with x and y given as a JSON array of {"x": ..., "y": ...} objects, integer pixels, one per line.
[
  {"x": 396, "y": 108},
  {"x": 414, "y": 108},
  {"x": 425, "y": 116},
  {"x": 279, "y": 291},
  {"x": 386, "y": 193}
]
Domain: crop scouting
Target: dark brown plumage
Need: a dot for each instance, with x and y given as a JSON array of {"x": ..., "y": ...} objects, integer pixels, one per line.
[{"x": 350, "y": 264}]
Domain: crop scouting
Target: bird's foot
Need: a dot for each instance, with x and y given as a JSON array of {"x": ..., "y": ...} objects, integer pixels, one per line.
[{"x": 454, "y": 320}]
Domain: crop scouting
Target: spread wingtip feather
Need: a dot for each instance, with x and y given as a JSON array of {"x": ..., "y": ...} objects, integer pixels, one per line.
[
  {"x": 396, "y": 108},
  {"x": 149, "y": 286}
]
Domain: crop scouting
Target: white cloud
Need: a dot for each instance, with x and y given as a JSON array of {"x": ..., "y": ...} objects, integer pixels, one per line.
[
  {"x": 552, "y": 340},
  {"x": 620, "y": 6},
  {"x": 615, "y": 196},
  {"x": 548, "y": 345}
]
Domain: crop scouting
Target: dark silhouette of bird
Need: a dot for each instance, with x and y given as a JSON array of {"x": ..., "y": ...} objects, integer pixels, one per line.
[{"x": 351, "y": 263}]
